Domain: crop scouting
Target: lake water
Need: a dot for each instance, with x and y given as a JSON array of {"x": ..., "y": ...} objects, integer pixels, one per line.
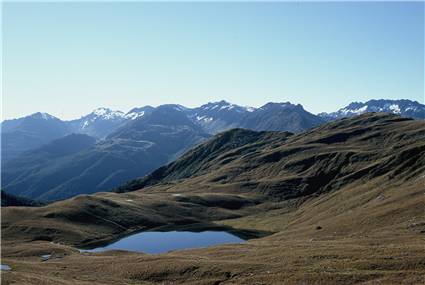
[
  {"x": 5, "y": 267},
  {"x": 160, "y": 242}
]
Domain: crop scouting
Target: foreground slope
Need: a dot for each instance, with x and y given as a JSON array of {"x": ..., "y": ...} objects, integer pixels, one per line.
[{"x": 345, "y": 203}]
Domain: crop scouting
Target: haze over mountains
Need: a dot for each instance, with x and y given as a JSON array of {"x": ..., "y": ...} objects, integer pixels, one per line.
[{"x": 43, "y": 159}]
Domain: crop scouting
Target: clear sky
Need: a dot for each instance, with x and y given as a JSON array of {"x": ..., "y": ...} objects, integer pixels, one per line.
[{"x": 70, "y": 58}]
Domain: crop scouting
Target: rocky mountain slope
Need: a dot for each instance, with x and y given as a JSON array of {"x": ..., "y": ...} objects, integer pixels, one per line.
[
  {"x": 215, "y": 117},
  {"x": 280, "y": 117},
  {"x": 99, "y": 123},
  {"x": 76, "y": 165}
]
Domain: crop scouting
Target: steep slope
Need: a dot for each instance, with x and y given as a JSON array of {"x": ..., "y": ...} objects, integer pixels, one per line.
[
  {"x": 134, "y": 150},
  {"x": 29, "y": 132},
  {"x": 280, "y": 117},
  {"x": 215, "y": 117},
  {"x": 405, "y": 108},
  {"x": 22, "y": 174},
  {"x": 221, "y": 116},
  {"x": 99, "y": 123},
  {"x": 323, "y": 159},
  {"x": 167, "y": 126},
  {"x": 207, "y": 156}
]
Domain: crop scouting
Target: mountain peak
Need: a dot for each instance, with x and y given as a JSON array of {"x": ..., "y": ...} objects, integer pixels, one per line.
[
  {"x": 224, "y": 105},
  {"x": 43, "y": 116},
  {"x": 106, "y": 113},
  {"x": 176, "y": 107},
  {"x": 275, "y": 105}
]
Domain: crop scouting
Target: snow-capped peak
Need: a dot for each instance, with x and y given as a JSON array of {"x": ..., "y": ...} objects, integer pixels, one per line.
[
  {"x": 225, "y": 106},
  {"x": 400, "y": 107},
  {"x": 44, "y": 116},
  {"x": 107, "y": 114},
  {"x": 101, "y": 114}
]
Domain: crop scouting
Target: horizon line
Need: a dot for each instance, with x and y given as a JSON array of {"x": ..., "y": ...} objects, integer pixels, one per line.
[{"x": 194, "y": 107}]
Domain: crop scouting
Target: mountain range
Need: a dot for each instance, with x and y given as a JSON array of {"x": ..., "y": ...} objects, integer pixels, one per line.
[
  {"x": 77, "y": 163},
  {"x": 340, "y": 203},
  {"x": 46, "y": 158},
  {"x": 404, "y": 108}
]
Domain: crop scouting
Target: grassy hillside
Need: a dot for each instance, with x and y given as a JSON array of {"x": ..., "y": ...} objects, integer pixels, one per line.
[{"x": 340, "y": 204}]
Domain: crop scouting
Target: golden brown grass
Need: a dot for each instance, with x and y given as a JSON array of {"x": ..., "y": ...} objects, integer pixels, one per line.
[{"x": 363, "y": 224}]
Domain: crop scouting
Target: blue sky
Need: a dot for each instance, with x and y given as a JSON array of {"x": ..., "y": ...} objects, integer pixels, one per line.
[{"x": 69, "y": 58}]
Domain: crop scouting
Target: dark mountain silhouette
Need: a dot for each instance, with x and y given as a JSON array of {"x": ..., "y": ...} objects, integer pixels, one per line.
[{"x": 9, "y": 200}]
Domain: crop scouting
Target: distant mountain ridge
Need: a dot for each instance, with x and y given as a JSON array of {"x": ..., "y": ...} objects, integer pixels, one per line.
[
  {"x": 37, "y": 129},
  {"x": 61, "y": 169},
  {"x": 46, "y": 158},
  {"x": 30, "y": 132},
  {"x": 405, "y": 108},
  {"x": 98, "y": 123},
  {"x": 20, "y": 135},
  {"x": 280, "y": 117}
]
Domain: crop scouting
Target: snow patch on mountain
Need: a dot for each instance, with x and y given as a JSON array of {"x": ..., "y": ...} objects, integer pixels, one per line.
[
  {"x": 134, "y": 115},
  {"x": 43, "y": 116},
  {"x": 107, "y": 114},
  {"x": 225, "y": 106},
  {"x": 205, "y": 119},
  {"x": 406, "y": 108},
  {"x": 395, "y": 108},
  {"x": 358, "y": 111}
]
